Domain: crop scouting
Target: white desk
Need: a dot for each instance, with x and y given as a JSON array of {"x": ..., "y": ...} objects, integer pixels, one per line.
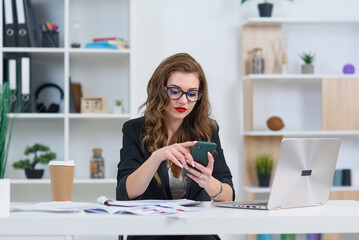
[{"x": 335, "y": 217}]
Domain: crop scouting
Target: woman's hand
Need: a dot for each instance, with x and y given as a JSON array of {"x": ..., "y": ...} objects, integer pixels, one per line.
[
  {"x": 204, "y": 176},
  {"x": 204, "y": 179},
  {"x": 178, "y": 153}
]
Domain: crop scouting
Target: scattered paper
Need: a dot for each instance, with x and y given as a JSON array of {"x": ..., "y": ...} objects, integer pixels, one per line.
[
  {"x": 172, "y": 208},
  {"x": 137, "y": 203}
]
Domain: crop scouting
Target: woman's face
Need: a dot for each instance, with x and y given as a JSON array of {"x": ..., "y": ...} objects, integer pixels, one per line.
[{"x": 180, "y": 108}]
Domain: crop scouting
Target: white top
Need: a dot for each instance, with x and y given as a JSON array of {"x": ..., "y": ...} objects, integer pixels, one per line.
[
  {"x": 63, "y": 163},
  {"x": 177, "y": 185}
]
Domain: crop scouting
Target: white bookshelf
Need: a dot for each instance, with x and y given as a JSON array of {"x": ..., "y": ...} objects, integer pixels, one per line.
[
  {"x": 296, "y": 98},
  {"x": 302, "y": 133},
  {"x": 101, "y": 72},
  {"x": 261, "y": 190},
  {"x": 296, "y": 77}
]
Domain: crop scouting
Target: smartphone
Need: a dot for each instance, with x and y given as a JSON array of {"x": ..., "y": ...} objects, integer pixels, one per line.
[{"x": 199, "y": 153}]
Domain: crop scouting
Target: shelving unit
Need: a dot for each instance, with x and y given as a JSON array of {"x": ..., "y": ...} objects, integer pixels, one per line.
[
  {"x": 101, "y": 72},
  {"x": 308, "y": 104}
]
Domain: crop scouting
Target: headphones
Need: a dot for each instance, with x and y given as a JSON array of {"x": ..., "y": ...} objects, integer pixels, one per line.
[{"x": 53, "y": 108}]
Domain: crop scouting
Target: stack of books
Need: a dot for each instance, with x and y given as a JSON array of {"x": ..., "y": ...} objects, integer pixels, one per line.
[{"x": 108, "y": 43}]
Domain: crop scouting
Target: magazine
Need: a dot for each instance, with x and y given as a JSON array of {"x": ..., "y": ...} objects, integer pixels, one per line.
[
  {"x": 146, "y": 210},
  {"x": 137, "y": 203},
  {"x": 108, "y": 206}
]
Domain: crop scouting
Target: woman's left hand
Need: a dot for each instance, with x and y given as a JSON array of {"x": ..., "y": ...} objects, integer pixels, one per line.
[{"x": 203, "y": 177}]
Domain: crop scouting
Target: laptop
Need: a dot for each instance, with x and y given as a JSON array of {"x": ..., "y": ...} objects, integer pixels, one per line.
[{"x": 303, "y": 176}]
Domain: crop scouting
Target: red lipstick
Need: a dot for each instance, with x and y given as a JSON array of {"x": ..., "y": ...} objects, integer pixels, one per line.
[{"x": 181, "y": 109}]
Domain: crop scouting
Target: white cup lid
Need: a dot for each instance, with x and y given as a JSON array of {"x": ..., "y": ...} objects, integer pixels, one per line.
[{"x": 63, "y": 163}]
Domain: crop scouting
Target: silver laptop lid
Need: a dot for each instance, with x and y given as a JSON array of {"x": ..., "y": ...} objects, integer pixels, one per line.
[{"x": 304, "y": 172}]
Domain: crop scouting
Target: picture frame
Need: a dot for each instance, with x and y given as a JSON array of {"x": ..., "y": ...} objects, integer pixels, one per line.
[{"x": 93, "y": 105}]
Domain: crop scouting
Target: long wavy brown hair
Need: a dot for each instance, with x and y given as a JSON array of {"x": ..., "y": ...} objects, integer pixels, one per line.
[{"x": 196, "y": 126}]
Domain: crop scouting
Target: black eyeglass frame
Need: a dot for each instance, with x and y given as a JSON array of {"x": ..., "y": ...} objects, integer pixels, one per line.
[{"x": 183, "y": 92}]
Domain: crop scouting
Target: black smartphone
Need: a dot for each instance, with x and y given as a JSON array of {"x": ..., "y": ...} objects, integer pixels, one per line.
[{"x": 199, "y": 153}]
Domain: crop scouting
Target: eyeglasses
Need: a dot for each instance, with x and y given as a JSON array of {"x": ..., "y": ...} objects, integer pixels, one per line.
[{"x": 176, "y": 93}]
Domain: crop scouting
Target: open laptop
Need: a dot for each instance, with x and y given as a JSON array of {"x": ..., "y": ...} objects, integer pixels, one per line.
[{"x": 303, "y": 175}]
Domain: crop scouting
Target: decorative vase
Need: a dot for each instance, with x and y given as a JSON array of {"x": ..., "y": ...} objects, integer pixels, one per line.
[
  {"x": 117, "y": 109},
  {"x": 34, "y": 173},
  {"x": 4, "y": 197},
  {"x": 265, "y": 9},
  {"x": 263, "y": 180},
  {"x": 307, "y": 68}
]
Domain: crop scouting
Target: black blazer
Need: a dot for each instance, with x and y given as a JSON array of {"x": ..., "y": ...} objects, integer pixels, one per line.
[{"x": 132, "y": 157}]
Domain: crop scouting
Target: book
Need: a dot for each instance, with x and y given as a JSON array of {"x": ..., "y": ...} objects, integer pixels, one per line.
[
  {"x": 172, "y": 210},
  {"x": 75, "y": 97},
  {"x": 106, "y": 38},
  {"x": 100, "y": 46},
  {"x": 112, "y": 44},
  {"x": 138, "y": 207},
  {"x": 137, "y": 203}
]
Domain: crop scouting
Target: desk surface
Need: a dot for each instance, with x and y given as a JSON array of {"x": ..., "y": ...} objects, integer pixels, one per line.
[{"x": 334, "y": 217}]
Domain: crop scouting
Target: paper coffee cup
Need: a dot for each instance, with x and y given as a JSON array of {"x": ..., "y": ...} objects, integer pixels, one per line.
[{"x": 62, "y": 178}]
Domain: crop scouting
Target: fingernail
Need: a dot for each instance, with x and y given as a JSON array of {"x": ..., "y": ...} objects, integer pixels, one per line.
[
  {"x": 193, "y": 164},
  {"x": 181, "y": 165}
]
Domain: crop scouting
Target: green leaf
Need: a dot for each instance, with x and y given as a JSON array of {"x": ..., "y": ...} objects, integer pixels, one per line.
[
  {"x": 307, "y": 57},
  {"x": 43, "y": 158},
  {"x": 21, "y": 164},
  {"x": 263, "y": 163},
  {"x": 6, "y": 125}
]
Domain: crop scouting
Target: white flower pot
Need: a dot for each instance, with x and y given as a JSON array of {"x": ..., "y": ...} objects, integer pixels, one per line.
[
  {"x": 307, "y": 68},
  {"x": 4, "y": 197},
  {"x": 117, "y": 109}
]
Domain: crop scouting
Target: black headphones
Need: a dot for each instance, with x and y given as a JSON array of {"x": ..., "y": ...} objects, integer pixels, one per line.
[{"x": 53, "y": 108}]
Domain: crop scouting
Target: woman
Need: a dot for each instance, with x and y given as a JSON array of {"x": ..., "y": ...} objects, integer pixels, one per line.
[{"x": 156, "y": 147}]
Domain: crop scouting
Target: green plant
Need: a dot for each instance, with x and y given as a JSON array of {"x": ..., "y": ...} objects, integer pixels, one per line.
[
  {"x": 308, "y": 58},
  {"x": 263, "y": 164},
  {"x": 243, "y": 1},
  {"x": 6, "y": 126},
  {"x": 118, "y": 102},
  {"x": 43, "y": 158}
]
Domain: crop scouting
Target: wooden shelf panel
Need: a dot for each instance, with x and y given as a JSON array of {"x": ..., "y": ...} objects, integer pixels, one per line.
[
  {"x": 301, "y": 133},
  {"x": 267, "y": 189},
  {"x": 296, "y": 77}
]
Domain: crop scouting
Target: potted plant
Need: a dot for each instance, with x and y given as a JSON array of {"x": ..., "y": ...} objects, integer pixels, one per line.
[
  {"x": 265, "y": 8},
  {"x": 6, "y": 126},
  {"x": 118, "y": 108},
  {"x": 264, "y": 166},
  {"x": 308, "y": 58},
  {"x": 29, "y": 166}
]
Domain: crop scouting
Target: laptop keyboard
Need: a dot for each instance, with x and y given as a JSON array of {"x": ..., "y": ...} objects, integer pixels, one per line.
[{"x": 259, "y": 203}]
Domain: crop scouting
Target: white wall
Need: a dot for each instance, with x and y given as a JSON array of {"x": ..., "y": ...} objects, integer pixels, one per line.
[{"x": 209, "y": 30}]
